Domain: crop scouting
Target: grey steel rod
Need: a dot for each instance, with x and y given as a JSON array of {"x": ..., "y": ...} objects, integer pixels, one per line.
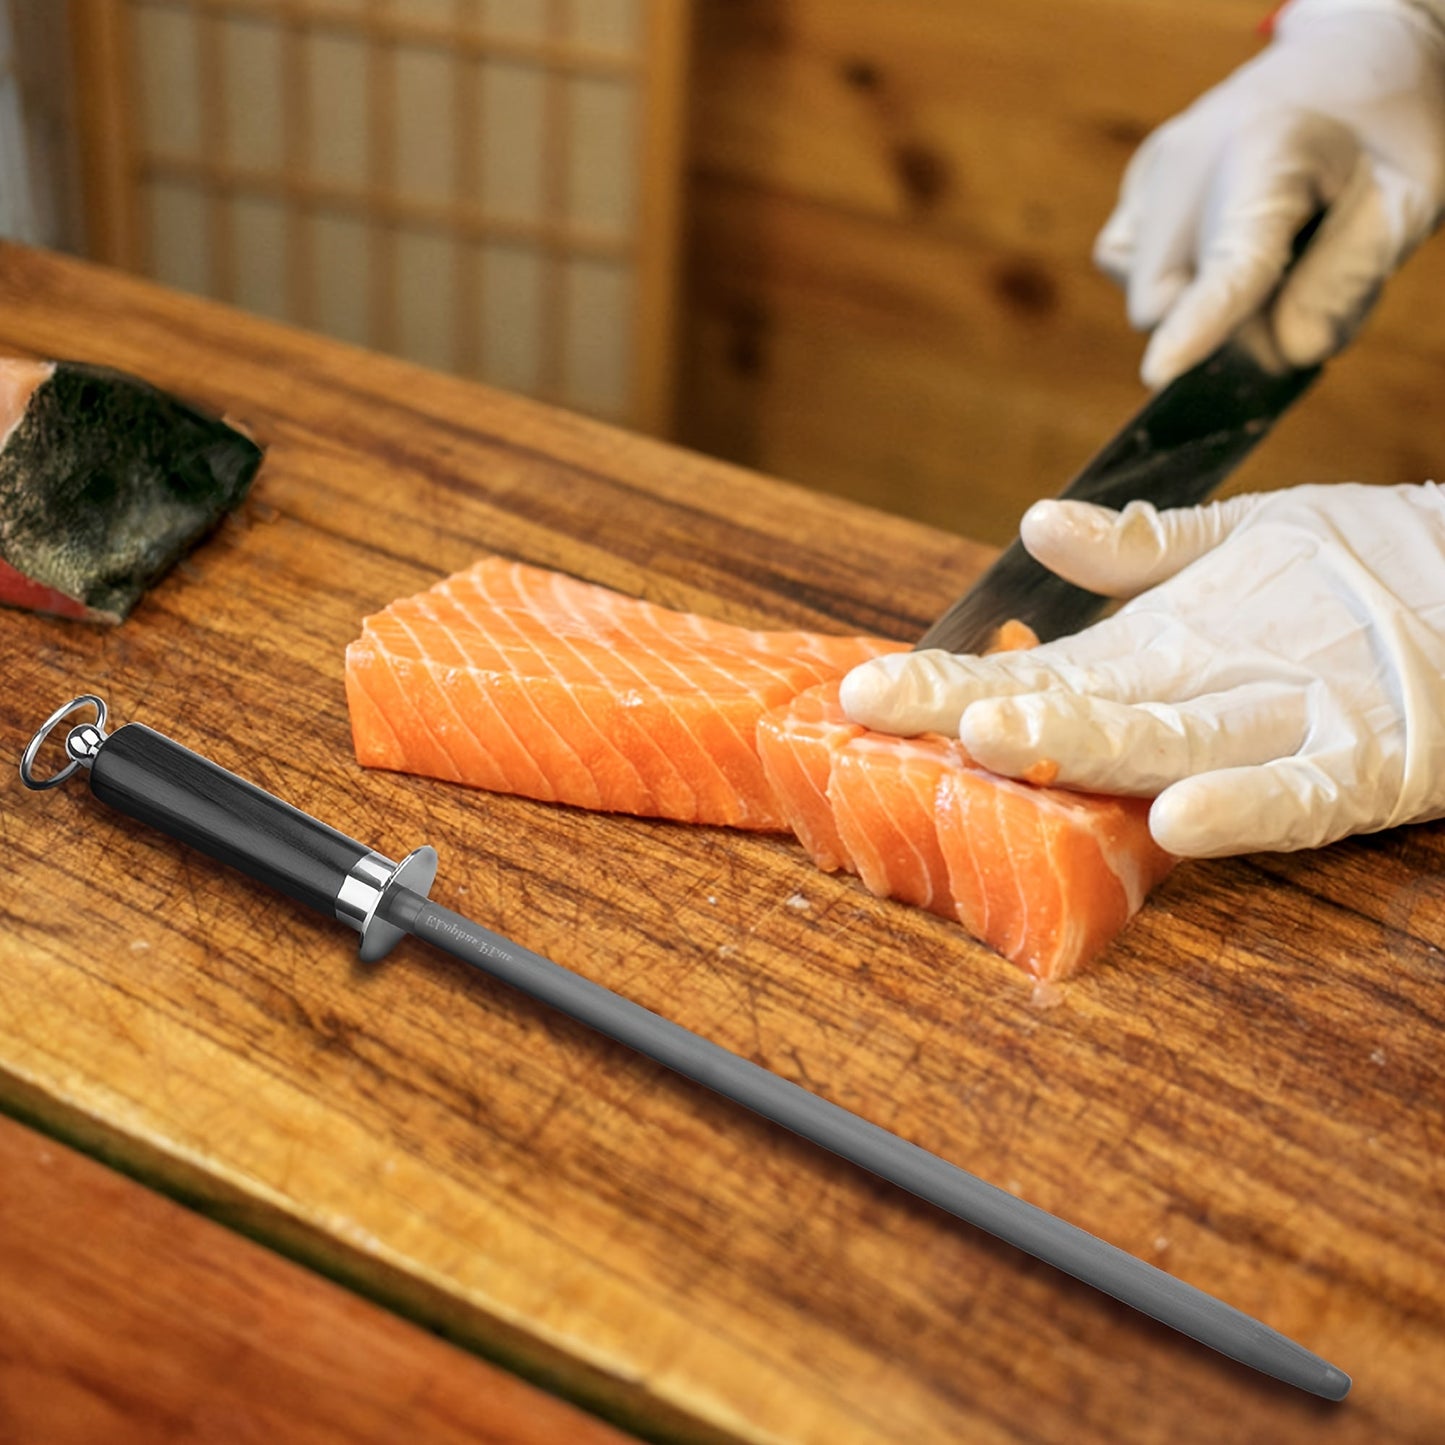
[{"x": 1045, "y": 1236}]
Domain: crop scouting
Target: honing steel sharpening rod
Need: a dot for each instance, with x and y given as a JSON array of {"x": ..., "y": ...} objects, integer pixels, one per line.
[{"x": 157, "y": 781}]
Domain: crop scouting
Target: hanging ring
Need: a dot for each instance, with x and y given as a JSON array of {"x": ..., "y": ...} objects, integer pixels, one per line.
[{"x": 27, "y": 761}]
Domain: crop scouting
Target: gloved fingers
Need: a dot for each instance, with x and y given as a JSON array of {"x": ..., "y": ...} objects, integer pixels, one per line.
[
  {"x": 1116, "y": 242},
  {"x": 921, "y": 692},
  {"x": 1137, "y": 657},
  {"x": 1271, "y": 181},
  {"x": 1114, "y": 245},
  {"x": 1103, "y": 746},
  {"x": 1327, "y": 294},
  {"x": 1148, "y": 244},
  {"x": 1123, "y": 553},
  {"x": 1276, "y": 807},
  {"x": 1150, "y": 651}
]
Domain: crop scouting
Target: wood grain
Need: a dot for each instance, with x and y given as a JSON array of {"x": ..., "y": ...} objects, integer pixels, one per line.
[
  {"x": 1247, "y": 1090},
  {"x": 101, "y": 42},
  {"x": 129, "y": 1319},
  {"x": 663, "y": 139},
  {"x": 889, "y": 288}
]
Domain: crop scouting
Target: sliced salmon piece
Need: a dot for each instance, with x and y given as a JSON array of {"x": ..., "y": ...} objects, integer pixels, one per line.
[
  {"x": 859, "y": 800},
  {"x": 1044, "y": 876},
  {"x": 798, "y": 745},
  {"x": 521, "y": 680},
  {"x": 884, "y": 794}
]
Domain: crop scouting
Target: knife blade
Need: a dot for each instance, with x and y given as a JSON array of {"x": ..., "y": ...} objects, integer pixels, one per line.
[{"x": 1174, "y": 452}]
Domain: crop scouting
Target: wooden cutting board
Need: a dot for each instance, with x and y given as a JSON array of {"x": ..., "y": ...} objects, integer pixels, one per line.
[
  {"x": 1246, "y": 1091},
  {"x": 129, "y": 1320}
]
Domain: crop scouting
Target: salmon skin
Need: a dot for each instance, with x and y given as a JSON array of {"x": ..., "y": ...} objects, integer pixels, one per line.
[
  {"x": 105, "y": 482},
  {"x": 522, "y": 680}
]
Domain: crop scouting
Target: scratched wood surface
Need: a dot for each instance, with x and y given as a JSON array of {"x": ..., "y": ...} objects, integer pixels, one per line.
[
  {"x": 1247, "y": 1090},
  {"x": 129, "y": 1319}
]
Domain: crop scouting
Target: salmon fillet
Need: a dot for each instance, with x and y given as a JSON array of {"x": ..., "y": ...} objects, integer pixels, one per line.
[{"x": 521, "y": 680}]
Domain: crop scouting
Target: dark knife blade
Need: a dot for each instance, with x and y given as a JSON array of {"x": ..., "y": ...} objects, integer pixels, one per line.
[{"x": 1174, "y": 452}]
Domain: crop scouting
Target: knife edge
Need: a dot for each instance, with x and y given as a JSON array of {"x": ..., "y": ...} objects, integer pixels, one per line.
[{"x": 1175, "y": 451}]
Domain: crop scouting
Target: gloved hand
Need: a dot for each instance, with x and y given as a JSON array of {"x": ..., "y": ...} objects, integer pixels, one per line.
[
  {"x": 1345, "y": 108},
  {"x": 1277, "y": 681}
]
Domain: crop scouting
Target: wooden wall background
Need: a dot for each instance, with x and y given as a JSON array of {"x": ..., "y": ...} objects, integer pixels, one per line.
[{"x": 889, "y": 292}]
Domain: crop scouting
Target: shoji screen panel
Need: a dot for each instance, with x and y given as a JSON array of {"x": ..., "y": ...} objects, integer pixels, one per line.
[
  {"x": 39, "y": 193},
  {"x": 485, "y": 186}
]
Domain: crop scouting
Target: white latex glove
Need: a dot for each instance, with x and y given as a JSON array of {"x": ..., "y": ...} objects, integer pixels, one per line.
[
  {"x": 1280, "y": 683},
  {"x": 1345, "y": 108}
]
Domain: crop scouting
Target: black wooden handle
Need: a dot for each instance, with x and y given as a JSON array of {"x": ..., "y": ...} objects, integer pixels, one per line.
[{"x": 156, "y": 781}]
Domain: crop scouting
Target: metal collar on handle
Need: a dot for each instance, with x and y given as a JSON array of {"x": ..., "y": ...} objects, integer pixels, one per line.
[{"x": 361, "y": 902}]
